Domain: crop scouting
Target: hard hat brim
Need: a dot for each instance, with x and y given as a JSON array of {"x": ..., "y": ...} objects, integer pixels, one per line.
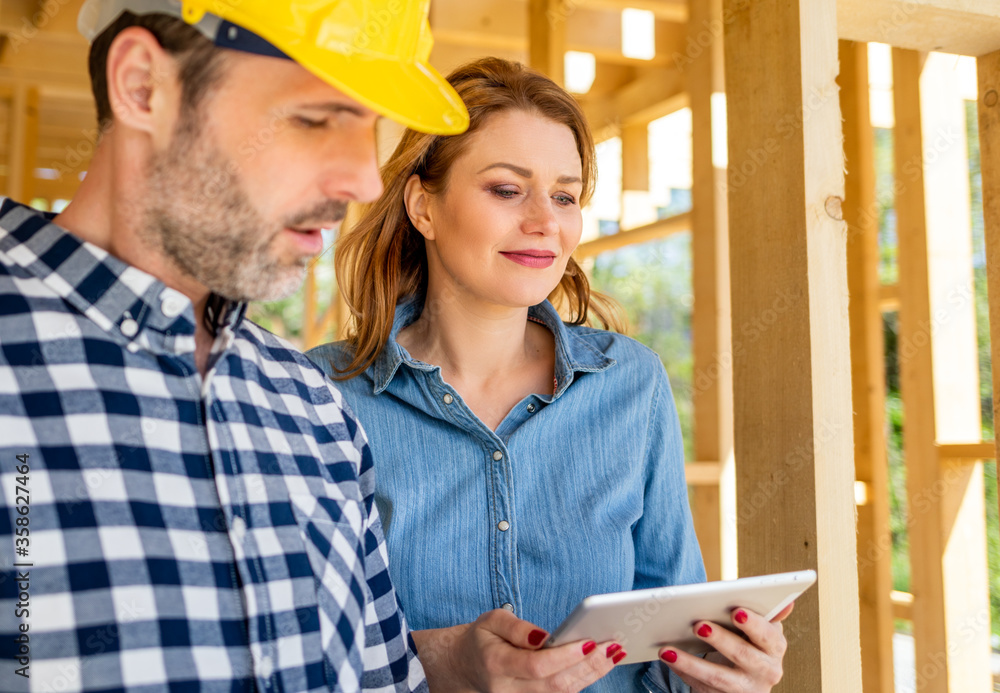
[{"x": 413, "y": 94}]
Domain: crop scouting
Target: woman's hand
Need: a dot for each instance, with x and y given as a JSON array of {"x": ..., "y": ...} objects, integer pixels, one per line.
[
  {"x": 738, "y": 665},
  {"x": 499, "y": 652}
]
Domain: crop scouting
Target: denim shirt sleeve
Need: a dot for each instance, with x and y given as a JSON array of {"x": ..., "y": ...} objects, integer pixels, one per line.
[{"x": 666, "y": 548}]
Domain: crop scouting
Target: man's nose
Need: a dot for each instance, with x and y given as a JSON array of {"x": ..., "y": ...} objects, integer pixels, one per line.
[{"x": 355, "y": 174}]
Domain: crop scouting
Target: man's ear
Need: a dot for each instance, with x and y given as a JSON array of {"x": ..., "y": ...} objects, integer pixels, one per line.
[
  {"x": 417, "y": 201},
  {"x": 142, "y": 82}
]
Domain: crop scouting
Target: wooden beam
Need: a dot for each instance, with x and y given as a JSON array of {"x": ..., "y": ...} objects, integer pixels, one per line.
[
  {"x": 939, "y": 377},
  {"x": 703, "y": 474},
  {"x": 635, "y": 157},
  {"x": 902, "y": 608},
  {"x": 659, "y": 92},
  {"x": 867, "y": 372},
  {"x": 643, "y": 234},
  {"x": 888, "y": 298},
  {"x": 667, "y": 10},
  {"x": 971, "y": 452},
  {"x": 965, "y": 27},
  {"x": 547, "y": 37},
  {"x": 23, "y": 147},
  {"x": 988, "y": 67},
  {"x": 792, "y": 378},
  {"x": 714, "y": 507}
]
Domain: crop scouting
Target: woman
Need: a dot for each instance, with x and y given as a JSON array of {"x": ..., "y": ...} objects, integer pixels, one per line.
[{"x": 523, "y": 462}]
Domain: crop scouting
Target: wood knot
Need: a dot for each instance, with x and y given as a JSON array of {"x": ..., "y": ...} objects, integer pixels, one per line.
[
  {"x": 991, "y": 98},
  {"x": 834, "y": 208}
]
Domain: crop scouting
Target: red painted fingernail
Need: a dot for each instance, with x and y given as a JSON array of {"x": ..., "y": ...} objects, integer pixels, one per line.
[
  {"x": 704, "y": 631},
  {"x": 589, "y": 647},
  {"x": 669, "y": 656},
  {"x": 741, "y": 616},
  {"x": 613, "y": 648},
  {"x": 536, "y": 637},
  {"x": 619, "y": 657}
]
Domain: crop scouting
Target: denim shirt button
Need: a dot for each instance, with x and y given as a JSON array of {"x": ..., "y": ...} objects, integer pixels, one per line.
[
  {"x": 531, "y": 408},
  {"x": 497, "y": 455},
  {"x": 503, "y": 525},
  {"x": 509, "y": 607},
  {"x": 448, "y": 399}
]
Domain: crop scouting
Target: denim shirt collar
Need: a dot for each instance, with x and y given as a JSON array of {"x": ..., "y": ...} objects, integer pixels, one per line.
[{"x": 573, "y": 353}]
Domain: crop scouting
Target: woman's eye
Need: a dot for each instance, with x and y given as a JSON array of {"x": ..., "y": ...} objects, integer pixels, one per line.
[
  {"x": 505, "y": 193},
  {"x": 565, "y": 200}
]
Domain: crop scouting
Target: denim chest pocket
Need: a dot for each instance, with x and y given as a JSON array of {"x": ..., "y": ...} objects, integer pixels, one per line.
[{"x": 332, "y": 533}]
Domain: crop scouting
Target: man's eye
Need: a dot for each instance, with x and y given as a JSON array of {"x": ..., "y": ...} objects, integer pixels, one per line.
[{"x": 309, "y": 124}]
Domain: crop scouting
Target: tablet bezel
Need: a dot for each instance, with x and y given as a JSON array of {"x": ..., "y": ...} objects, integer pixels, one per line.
[{"x": 643, "y": 621}]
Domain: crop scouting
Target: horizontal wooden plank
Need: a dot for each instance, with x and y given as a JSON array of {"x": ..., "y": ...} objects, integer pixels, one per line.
[
  {"x": 888, "y": 298},
  {"x": 703, "y": 473},
  {"x": 641, "y": 234},
  {"x": 667, "y": 10},
  {"x": 902, "y": 605},
  {"x": 965, "y": 27},
  {"x": 985, "y": 450},
  {"x": 658, "y": 92}
]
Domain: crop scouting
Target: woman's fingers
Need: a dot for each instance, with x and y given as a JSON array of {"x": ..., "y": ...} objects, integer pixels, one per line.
[
  {"x": 755, "y": 662},
  {"x": 783, "y": 614},
  {"x": 514, "y": 630},
  {"x": 769, "y": 637},
  {"x": 703, "y": 676},
  {"x": 595, "y": 665}
]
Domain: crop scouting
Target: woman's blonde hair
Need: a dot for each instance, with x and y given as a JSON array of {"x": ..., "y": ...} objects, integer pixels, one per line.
[{"x": 381, "y": 260}]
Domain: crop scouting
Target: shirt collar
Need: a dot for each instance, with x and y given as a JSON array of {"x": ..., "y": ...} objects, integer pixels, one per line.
[
  {"x": 117, "y": 297},
  {"x": 574, "y": 354}
]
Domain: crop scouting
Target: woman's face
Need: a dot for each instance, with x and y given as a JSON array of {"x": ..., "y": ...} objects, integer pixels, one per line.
[{"x": 504, "y": 228}]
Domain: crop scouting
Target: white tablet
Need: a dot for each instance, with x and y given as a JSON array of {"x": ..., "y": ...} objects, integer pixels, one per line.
[{"x": 643, "y": 621}]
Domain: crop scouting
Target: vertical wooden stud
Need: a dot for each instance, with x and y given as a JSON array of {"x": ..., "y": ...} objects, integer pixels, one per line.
[
  {"x": 547, "y": 36},
  {"x": 792, "y": 382},
  {"x": 988, "y": 67},
  {"x": 939, "y": 378},
  {"x": 711, "y": 322},
  {"x": 867, "y": 372},
  {"x": 23, "y": 146}
]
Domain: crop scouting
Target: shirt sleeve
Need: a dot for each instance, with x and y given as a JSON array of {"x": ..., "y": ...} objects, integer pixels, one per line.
[
  {"x": 666, "y": 548},
  {"x": 390, "y": 655}
]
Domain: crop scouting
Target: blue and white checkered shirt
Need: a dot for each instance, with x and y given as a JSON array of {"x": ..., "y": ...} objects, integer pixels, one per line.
[{"x": 164, "y": 532}]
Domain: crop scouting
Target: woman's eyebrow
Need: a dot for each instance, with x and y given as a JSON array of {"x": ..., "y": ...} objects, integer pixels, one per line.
[{"x": 526, "y": 173}]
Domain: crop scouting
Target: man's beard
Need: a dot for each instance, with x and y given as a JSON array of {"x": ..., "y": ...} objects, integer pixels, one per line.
[{"x": 199, "y": 217}]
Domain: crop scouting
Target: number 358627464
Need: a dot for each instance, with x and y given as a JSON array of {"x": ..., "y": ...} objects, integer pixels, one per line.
[{"x": 22, "y": 504}]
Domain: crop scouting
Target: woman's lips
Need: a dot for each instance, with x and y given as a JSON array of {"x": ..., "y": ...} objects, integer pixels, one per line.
[{"x": 531, "y": 259}]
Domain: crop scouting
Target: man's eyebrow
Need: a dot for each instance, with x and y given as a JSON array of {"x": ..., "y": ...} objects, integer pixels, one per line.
[
  {"x": 526, "y": 173},
  {"x": 334, "y": 107}
]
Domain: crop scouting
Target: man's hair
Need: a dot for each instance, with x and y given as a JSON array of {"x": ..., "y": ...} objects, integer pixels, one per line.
[{"x": 198, "y": 59}]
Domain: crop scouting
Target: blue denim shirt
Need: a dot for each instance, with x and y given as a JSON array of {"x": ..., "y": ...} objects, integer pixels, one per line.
[{"x": 576, "y": 493}]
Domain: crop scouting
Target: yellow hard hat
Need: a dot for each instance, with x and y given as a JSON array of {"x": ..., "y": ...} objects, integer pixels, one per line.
[{"x": 375, "y": 51}]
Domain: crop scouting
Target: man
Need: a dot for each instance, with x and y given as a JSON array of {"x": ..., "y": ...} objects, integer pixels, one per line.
[{"x": 186, "y": 505}]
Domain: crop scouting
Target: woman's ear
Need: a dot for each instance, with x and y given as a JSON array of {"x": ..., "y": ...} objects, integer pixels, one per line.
[
  {"x": 417, "y": 201},
  {"x": 142, "y": 82}
]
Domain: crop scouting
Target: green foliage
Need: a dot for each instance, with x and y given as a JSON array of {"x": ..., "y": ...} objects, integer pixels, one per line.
[{"x": 652, "y": 281}]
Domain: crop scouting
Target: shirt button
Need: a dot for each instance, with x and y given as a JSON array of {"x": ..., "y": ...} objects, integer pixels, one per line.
[
  {"x": 497, "y": 455},
  {"x": 266, "y": 668},
  {"x": 503, "y": 525},
  {"x": 129, "y": 327},
  {"x": 531, "y": 408},
  {"x": 172, "y": 303},
  {"x": 448, "y": 399},
  {"x": 509, "y": 607},
  {"x": 239, "y": 528}
]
